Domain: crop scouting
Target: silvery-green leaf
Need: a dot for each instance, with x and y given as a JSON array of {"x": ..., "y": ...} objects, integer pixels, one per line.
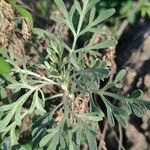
[
  {"x": 136, "y": 94},
  {"x": 91, "y": 140},
  {"x": 74, "y": 61},
  {"x": 60, "y": 4},
  {"x": 137, "y": 110},
  {"x": 103, "y": 16},
  {"x": 104, "y": 44},
  {"x": 13, "y": 137},
  {"x": 110, "y": 116},
  {"x": 3, "y": 93},
  {"x": 122, "y": 120},
  {"x": 120, "y": 75},
  {"x": 62, "y": 140},
  {"x": 46, "y": 139},
  {"x": 59, "y": 19},
  {"x": 6, "y": 120},
  {"x": 54, "y": 142},
  {"x": 18, "y": 115},
  {"x": 91, "y": 117},
  {"x": 92, "y": 15},
  {"x": 40, "y": 32},
  {"x": 91, "y": 4},
  {"x": 119, "y": 86},
  {"x": 78, "y": 6},
  {"x": 79, "y": 134}
]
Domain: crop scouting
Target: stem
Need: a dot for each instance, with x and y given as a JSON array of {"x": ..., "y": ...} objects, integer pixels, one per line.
[
  {"x": 101, "y": 144},
  {"x": 116, "y": 96},
  {"x": 120, "y": 138},
  {"x": 82, "y": 17},
  {"x": 74, "y": 44},
  {"x": 35, "y": 75},
  {"x": 53, "y": 111},
  {"x": 79, "y": 26}
]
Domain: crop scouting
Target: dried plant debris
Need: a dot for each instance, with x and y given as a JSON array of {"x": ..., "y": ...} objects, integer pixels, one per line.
[
  {"x": 10, "y": 35},
  {"x": 7, "y": 23},
  {"x": 79, "y": 106}
]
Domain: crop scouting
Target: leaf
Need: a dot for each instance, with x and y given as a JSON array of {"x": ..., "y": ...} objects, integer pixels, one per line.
[
  {"x": 61, "y": 6},
  {"x": 104, "y": 44},
  {"x": 6, "y": 120},
  {"x": 145, "y": 103},
  {"x": 25, "y": 13},
  {"x": 122, "y": 120},
  {"x": 62, "y": 140},
  {"x": 96, "y": 109},
  {"x": 78, "y": 6},
  {"x": 3, "y": 93},
  {"x": 128, "y": 108},
  {"x": 4, "y": 66},
  {"x": 92, "y": 117},
  {"x": 37, "y": 136},
  {"x": 79, "y": 134},
  {"x": 137, "y": 110},
  {"x": 18, "y": 115},
  {"x": 74, "y": 61},
  {"x": 91, "y": 140},
  {"x": 41, "y": 33},
  {"x": 119, "y": 86},
  {"x": 110, "y": 117},
  {"x": 136, "y": 94},
  {"x": 70, "y": 17},
  {"x": 71, "y": 12},
  {"x": 39, "y": 103},
  {"x": 27, "y": 146},
  {"x": 59, "y": 19},
  {"x": 91, "y": 4},
  {"x": 6, "y": 107},
  {"x": 120, "y": 75},
  {"x": 119, "y": 111},
  {"x": 71, "y": 143},
  {"x": 103, "y": 16},
  {"x": 13, "y": 137},
  {"x": 6, "y": 144},
  {"x": 54, "y": 47},
  {"x": 46, "y": 139},
  {"x": 92, "y": 15},
  {"x": 54, "y": 142}
]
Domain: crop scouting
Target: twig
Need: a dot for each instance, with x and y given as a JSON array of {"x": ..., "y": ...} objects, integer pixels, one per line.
[
  {"x": 122, "y": 28},
  {"x": 122, "y": 147},
  {"x": 120, "y": 137},
  {"x": 101, "y": 146}
]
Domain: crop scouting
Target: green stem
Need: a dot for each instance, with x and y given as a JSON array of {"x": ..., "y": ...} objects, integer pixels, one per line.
[
  {"x": 116, "y": 96},
  {"x": 35, "y": 75}
]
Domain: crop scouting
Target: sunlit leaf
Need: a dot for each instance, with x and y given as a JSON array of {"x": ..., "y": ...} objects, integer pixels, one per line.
[
  {"x": 25, "y": 13},
  {"x": 4, "y": 66},
  {"x": 120, "y": 75}
]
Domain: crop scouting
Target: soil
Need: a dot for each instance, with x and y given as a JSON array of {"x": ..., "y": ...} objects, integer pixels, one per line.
[{"x": 133, "y": 54}]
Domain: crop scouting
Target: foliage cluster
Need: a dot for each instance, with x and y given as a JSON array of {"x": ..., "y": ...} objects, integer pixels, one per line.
[{"x": 67, "y": 70}]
